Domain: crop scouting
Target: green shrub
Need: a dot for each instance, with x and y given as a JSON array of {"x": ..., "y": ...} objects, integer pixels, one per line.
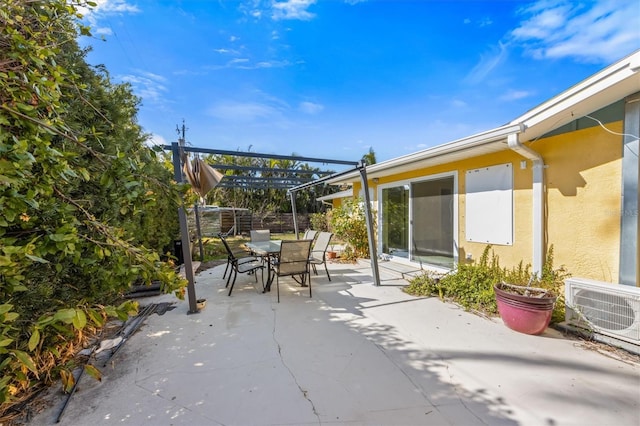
[
  {"x": 471, "y": 284},
  {"x": 348, "y": 223},
  {"x": 319, "y": 221}
]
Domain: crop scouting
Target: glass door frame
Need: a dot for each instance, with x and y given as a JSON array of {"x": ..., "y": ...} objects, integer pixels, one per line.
[{"x": 408, "y": 182}]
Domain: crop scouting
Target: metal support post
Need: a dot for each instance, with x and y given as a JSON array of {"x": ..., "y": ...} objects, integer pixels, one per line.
[
  {"x": 373, "y": 253},
  {"x": 292, "y": 194},
  {"x": 198, "y": 230},
  {"x": 184, "y": 234}
]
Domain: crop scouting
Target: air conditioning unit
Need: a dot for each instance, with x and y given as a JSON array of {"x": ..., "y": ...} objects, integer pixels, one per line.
[{"x": 608, "y": 309}]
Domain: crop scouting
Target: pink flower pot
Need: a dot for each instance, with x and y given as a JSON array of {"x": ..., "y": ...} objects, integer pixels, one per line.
[{"x": 525, "y": 314}]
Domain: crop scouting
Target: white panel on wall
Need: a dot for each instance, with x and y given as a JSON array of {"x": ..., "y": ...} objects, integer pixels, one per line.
[{"x": 489, "y": 205}]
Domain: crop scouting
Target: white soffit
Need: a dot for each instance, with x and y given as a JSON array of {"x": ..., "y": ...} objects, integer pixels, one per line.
[
  {"x": 341, "y": 194},
  {"x": 604, "y": 88}
]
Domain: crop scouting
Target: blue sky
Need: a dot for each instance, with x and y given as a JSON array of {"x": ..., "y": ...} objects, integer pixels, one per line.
[{"x": 332, "y": 78}]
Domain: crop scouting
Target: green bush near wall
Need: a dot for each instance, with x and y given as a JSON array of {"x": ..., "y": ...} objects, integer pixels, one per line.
[{"x": 471, "y": 284}]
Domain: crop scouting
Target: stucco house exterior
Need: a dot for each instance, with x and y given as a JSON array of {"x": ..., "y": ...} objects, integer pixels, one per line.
[{"x": 564, "y": 174}]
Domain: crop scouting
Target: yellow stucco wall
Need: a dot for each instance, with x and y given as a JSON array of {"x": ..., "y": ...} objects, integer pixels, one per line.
[
  {"x": 583, "y": 177},
  {"x": 584, "y": 190}
]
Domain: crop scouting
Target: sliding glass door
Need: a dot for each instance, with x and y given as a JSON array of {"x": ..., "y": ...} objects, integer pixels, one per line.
[
  {"x": 432, "y": 222},
  {"x": 394, "y": 227},
  {"x": 417, "y": 221}
]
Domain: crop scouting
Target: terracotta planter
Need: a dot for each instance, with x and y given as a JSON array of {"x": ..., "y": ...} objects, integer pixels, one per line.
[
  {"x": 331, "y": 255},
  {"x": 524, "y": 309}
]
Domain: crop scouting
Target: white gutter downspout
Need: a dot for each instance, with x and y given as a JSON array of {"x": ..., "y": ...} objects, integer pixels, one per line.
[{"x": 538, "y": 200}]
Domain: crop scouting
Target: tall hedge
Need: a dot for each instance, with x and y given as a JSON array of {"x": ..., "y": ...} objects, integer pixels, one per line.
[{"x": 86, "y": 209}]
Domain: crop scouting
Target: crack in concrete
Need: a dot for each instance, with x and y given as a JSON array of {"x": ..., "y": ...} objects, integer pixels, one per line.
[
  {"x": 305, "y": 394},
  {"x": 455, "y": 389},
  {"x": 415, "y": 385}
]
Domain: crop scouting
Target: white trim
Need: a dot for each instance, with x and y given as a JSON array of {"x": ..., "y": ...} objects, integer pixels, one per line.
[
  {"x": 341, "y": 194},
  {"x": 498, "y": 134},
  {"x": 609, "y": 85}
]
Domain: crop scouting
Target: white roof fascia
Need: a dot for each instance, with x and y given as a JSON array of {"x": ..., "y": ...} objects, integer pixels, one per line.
[
  {"x": 341, "y": 194},
  {"x": 499, "y": 134},
  {"x": 607, "y": 86}
]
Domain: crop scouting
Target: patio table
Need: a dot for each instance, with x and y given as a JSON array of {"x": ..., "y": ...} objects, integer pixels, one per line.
[{"x": 269, "y": 249}]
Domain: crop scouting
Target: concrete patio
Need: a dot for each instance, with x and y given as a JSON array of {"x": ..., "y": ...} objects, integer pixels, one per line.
[{"x": 354, "y": 354}]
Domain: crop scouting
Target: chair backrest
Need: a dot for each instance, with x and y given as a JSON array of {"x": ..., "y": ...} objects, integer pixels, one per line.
[
  {"x": 294, "y": 257},
  {"x": 321, "y": 245},
  {"x": 258, "y": 235},
  {"x": 309, "y": 234},
  {"x": 226, "y": 246}
]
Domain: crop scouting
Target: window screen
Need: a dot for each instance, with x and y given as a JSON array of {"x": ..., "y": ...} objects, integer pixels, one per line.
[{"x": 489, "y": 205}]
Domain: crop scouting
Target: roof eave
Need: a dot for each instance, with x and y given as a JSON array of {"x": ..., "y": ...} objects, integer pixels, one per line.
[{"x": 497, "y": 135}]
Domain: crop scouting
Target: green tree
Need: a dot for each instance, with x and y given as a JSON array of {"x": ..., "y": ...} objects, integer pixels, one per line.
[
  {"x": 370, "y": 157},
  {"x": 85, "y": 207}
]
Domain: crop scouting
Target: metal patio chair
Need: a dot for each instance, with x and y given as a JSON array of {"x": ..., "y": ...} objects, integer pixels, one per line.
[
  {"x": 258, "y": 235},
  {"x": 310, "y": 234},
  {"x": 319, "y": 252},
  {"x": 293, "y": 261},
  {"x": 240, "y": 265},
  {"x": 238, "y": 254}
]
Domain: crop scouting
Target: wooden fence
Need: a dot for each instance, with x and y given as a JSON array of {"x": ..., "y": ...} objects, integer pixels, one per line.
[{"x": 213, "y": 222}]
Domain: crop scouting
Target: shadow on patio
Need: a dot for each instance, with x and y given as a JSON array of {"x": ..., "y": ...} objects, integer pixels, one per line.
[{"x": 352, "y": 354}]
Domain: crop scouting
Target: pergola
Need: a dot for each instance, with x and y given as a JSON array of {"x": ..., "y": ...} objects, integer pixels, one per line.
[{"x": 292, "y": 184}]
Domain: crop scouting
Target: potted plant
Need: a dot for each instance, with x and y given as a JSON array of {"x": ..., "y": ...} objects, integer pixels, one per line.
[
  {"x": 525, "y": 304},
  {"x": 530, "y": 308},
  {"x": 525, "y": 309}
]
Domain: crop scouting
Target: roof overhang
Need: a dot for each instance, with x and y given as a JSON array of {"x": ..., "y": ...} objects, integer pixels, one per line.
[
  {"x": 481, "y": 143},
  {"x": 334, "y": 196},
  {"x": 604, "y": 88}
]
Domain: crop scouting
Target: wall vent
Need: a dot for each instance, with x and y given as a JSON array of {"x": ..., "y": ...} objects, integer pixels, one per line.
[{"x": 609, "y": 309}]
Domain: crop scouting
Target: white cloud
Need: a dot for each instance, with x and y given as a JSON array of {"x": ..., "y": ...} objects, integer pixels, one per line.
[
  {"x": 273, "y": 64},
  {"x": 155, "y": 140},
  {"x": 598, "y": 31},
  {"x": 457, "y": 103},
  {"x": 115, "y": 6},
  {"x": 108, "y": 6},
  {"x": 105, "y": 31},
  {"x": 224, "y": 51},
  {"x": 485, "y": 22},
  {"x": 601, "y": 31},
  {"x": 513, "y": 95},
  {"x": 103, "y": 8},
  {"x": 292, "y": 9},
  {"x": 487, "y": 64},
  {"x": 311, "y": 108},
  {"x": 245, "y": 64},
  {"x": 242, "y": 111},
  {"x": 149, "y": 86}
]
